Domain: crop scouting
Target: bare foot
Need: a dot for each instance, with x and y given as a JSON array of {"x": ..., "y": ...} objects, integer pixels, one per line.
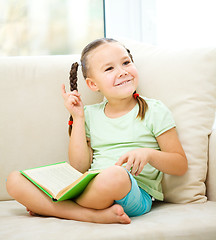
[
  {"x": 113, "y": 214},
  {"x": 31, "y": 213}
]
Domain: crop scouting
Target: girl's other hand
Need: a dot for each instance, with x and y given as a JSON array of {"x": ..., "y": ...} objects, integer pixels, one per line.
[
  {"x": 135, "y": 160},
  {"x": 73, "y": 103}
]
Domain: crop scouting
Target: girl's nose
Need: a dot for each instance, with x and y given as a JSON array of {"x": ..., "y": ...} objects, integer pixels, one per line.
[{"x": 122, "y": 72}]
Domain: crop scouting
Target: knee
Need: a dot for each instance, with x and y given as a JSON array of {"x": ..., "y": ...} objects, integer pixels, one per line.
[
  {"x": 117, "y": 175},
  {"x": 12, "y": 183},
  {"x": 114, "y": 178}
]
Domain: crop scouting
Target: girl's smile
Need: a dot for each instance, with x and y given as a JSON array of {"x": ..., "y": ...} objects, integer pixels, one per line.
[{"x": 123, "y": 83}]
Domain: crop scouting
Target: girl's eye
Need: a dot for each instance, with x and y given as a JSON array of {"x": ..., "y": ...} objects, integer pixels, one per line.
[
  {"x": 108, "y": 69},
  {"x": 126, "y": 62}
]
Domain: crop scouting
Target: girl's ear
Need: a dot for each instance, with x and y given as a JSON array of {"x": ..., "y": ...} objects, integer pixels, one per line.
[{"x": 91, "y": 84}]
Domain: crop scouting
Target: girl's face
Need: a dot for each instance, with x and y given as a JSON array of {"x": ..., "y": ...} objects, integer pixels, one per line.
[{"x": 111, "y": 71}]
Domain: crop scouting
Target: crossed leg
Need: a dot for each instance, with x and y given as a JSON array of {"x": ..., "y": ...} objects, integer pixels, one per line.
[{"x": 94, "y": 205}]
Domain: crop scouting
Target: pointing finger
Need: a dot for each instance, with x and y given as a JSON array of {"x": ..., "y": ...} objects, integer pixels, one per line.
[{"x": 63, "y": 90}]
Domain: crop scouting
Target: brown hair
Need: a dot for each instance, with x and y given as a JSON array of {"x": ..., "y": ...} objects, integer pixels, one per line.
[
  {"x": 73, "y": 86},
  {"x": 85, "y": 70}
]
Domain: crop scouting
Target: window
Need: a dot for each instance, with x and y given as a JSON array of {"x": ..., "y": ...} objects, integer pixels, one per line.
[{"x": 49, "y": 27}]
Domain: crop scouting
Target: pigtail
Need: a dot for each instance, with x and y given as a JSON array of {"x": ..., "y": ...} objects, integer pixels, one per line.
[
  {"x": 143, "y": 106},
  {"x": 73, "y": 86}
]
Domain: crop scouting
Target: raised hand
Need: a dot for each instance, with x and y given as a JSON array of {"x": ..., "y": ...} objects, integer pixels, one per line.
[{"x": 73, "y": 103}]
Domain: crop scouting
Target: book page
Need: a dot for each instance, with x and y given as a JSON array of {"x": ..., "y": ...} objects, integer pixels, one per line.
[{"x": 54, "y": 177}]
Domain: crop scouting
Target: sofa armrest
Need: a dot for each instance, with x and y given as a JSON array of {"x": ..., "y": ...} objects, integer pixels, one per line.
[{"x": 211, "y": 175}]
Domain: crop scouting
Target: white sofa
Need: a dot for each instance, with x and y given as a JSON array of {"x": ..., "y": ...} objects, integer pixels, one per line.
[{"x": 33, "y": 128}]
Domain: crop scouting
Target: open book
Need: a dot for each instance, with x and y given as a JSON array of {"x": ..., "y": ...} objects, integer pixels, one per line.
[{"x": 60, "y": 181}]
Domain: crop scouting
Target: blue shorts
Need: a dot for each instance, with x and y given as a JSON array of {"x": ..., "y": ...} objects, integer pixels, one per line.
[{"x": 137, "y": 202}]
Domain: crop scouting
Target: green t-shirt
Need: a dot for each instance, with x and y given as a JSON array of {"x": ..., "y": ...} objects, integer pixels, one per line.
[{"x": 111, "y": 138}]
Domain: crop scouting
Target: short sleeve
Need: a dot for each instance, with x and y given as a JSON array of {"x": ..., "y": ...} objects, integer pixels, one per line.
[
  {"x": 87, "y": 122},
  {"x": 160, "y": 118}
]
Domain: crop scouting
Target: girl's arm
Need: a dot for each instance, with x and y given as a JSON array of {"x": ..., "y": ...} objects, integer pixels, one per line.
[
  {"x": 171, "y": 159},
  {"x": 80, "y": 153}
]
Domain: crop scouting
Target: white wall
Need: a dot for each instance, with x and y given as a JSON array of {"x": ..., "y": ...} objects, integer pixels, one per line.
[
  {"x": 189, "y": 23},
  {"x": 173, "y": 23}
]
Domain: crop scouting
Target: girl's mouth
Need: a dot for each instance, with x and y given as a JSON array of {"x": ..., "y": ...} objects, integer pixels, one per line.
[{"x": 122, "y": 83}]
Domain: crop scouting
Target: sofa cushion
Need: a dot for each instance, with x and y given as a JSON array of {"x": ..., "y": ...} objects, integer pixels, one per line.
[
  {"x": 165, "y": 221},
  {"x": 185, "y": 80},
  {"x": 211, "y": 176}
]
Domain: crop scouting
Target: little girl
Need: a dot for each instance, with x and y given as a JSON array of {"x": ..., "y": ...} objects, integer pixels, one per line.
[{"x": 132, "y": 138}]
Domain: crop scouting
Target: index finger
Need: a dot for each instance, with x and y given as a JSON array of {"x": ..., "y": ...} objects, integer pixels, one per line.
[
  {"x": 63, "y": 89},
  {"x": 122, "y": 160}
]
